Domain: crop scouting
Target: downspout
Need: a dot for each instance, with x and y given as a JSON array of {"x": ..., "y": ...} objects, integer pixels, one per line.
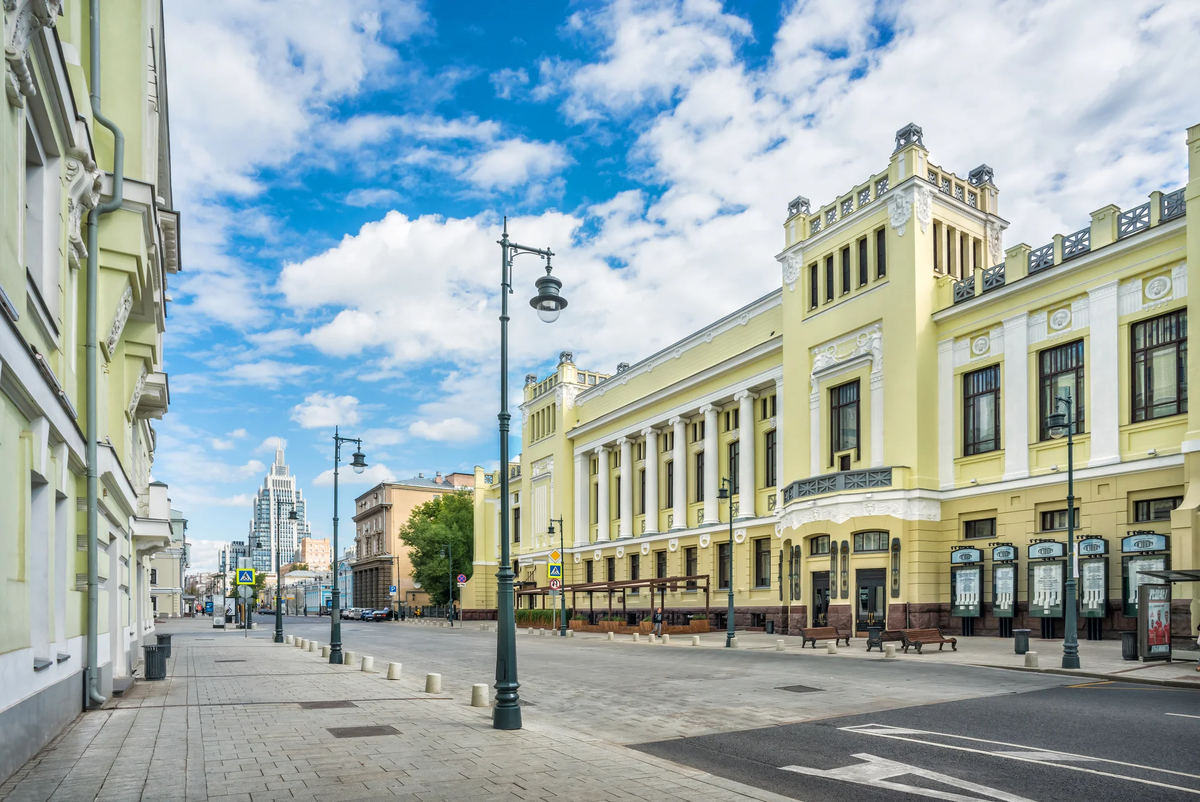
[{"x": 93, "y": 433}]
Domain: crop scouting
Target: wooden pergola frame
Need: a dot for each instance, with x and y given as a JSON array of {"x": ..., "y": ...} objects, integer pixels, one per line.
[{"x": 661, "y": 584}]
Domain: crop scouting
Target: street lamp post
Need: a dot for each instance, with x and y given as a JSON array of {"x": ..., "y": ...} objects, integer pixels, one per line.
[
  {"x": 359, "y": 463},
  {"x": 1060, "y": 424},
  {"x": 726, "y": 494},
  {"x": 448, "y": 551},
  {"x": 279, "y": 505},
  {"x": 548, "y": 303},
  {"x": 562, "y": 552}
]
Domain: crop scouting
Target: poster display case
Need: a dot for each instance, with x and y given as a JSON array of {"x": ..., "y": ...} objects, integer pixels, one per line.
[
  {"x": 1154, "y": 621},
  {"x": 1004, "y": 580},
  {"x": 1093, "y": 577},
  {"x": 1141, "y": 551},
  {"x": 966, "y": 582},
  {"x": 1047, "y": 578}
]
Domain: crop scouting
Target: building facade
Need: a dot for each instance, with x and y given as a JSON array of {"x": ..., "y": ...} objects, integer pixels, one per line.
[
  {"x": 314, "y": 552},
  {"x": 167, "y": 569},
  {"x": 883, "y": 421},
  {"x": 83, "y": 311},
  {"x": 272, "y": 528},
  {"x": 383, "y": 561}
]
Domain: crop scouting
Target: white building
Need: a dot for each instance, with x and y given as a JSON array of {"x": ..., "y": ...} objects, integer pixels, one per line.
[{"x": 271, "y": 527}]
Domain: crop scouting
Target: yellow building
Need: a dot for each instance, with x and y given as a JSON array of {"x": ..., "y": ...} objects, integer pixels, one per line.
[{"x": 883, "y": 418}]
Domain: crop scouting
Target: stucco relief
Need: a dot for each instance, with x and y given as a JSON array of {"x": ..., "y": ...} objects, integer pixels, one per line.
[
  {"x": 138, "y": 388},
  {"x": 564, "y": 395},
  {"x": 704, "y": 539},
  {"x": 83, "y": 195},
  {"x": 120, "y": 316},
  {"x": 838, "y": 512},
  {"x": 596, "y": 554},
  {"x": 923, "y": 205},
  {"x": 645, "y": 548},
  {"x": 541, "y": 466},
  {"x": 864, "y": 341},
  {"x": 900, "y": 211},
  {"x": 673, "y": 544},
  {"x": 791, "y": 271},
  {"x": 739, "y": 536},
  {"x": 24, "y": 18},
  {"x": 620, "y": 552},
  {"x": 995, "y": 242}
]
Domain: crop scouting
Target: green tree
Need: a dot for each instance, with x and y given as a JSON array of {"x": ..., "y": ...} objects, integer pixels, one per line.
[{"x": 446, "y": 520}]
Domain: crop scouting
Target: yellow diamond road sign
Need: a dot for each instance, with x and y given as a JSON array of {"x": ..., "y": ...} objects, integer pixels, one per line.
[
  {"x": 245, "y": 576},
  {"x": 555, "y": 556}
]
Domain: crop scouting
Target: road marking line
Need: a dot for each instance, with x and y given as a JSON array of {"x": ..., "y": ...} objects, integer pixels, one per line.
[
  {"x": 884, "y": 731},
  {"x": 1182, "y": 715},
  {"x": 877, "y": 773}
]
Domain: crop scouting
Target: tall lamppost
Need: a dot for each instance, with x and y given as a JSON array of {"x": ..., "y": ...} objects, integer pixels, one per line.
[
  {"x": 1060, "y": 424},
  {"x": 279, "y": 505},
  {"x": 448, "y": 551},
  {"x": 359, "y": 463},
  {"x": 562, "y": 552},
  {"x": 726, "y": 494},
  {"x": 507, "y": 713}
]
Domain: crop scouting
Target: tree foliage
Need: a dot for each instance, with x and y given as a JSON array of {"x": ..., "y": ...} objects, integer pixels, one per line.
[{"x": 448, "y": 520}]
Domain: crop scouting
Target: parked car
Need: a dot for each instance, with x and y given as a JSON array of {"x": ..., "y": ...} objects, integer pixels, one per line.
[
  {"x": 354, "y": 613},
  {"x": 383, "y": 614}
]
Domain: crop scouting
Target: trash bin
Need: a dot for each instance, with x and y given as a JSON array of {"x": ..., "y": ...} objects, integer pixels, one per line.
[
  {"x": 1021, "y": 640},
  {"x": 1129, "y": 645},
  {"x": 770, "y": 627},
  {"x": 156, "y": 662},
  {"x": 165, "y": 640}
]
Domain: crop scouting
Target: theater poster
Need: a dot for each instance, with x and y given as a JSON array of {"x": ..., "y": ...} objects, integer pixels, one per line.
[{"x": 1154, "y": 622}]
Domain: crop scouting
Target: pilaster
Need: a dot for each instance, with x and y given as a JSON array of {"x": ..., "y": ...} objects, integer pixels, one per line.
[{"x": 1102, "y": 411}]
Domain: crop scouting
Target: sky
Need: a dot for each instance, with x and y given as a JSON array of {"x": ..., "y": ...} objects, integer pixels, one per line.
[{"x": 342, "y": 170}]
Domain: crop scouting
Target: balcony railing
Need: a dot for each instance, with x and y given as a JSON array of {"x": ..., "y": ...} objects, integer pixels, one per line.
[
  {"x": 865, "y": 479},
  {"x": 1134, "y": 220},
  {"x": 1173, "y": 205}
]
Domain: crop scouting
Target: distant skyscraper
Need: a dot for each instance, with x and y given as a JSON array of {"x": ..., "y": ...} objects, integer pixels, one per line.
[{"x": 275, "y": 500}]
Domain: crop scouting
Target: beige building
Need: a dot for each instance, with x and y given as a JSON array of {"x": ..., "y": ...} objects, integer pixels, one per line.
[
  {"x": 314, "y": 552},
  {"x": 383, "y": 560},
  {"x": 166, "y": 572}
]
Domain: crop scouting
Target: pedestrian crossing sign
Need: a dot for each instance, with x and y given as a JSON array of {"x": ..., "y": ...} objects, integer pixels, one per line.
[
  {"x": 555, "y": 571},
  {"x": 245, "y": 576}
]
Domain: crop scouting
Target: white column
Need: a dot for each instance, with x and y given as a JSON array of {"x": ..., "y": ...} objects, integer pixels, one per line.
[
  {"x": 581, "y": 499},
  {"x": 780, "y": 482},
  {"x": 745, "y": 467},
  {"x": 1015, "y": 397},
  {"x": 877, "y": 418},
  {"x": 1101, "y": 416},
  {"x": 625, "y": 528},
  {"x": 712, "y": 461},
  {"x": 651, "y": 510},
  {"x": 814, "y": 432},
  {"x": 602, "y": 494},
  {"x": 948, "y": 412},
  {"x": 679, "y": 488}
]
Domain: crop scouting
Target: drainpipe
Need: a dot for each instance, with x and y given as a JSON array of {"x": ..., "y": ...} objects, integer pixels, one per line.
[{"x": 93, "y": 433}]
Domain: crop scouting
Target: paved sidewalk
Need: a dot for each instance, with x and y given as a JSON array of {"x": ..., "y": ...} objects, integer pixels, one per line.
[{"x": 227, "y": 724}]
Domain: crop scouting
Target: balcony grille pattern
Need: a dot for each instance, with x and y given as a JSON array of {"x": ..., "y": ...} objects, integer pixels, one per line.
[
  {"x": 1134, "y": 220},
  {"x": 993, "y": 278},
  {"x": 964, "y": 290},
  {"x": 1173, "y": 205},
  {"x": 1041, "y": 258},
  {"x": 833, "y": 482},
  {"x": 1077, "y": 244}
]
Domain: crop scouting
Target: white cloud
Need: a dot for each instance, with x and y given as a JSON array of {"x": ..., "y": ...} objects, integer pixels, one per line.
[
  {"x": 507, "y": 81},
  {"x": 204, "y": 554},
  {"x": 325, "y": 409},
  {"x": 450, "y": 429},
  {"x": 372, "y": 196},
  {"x": 221, "y": 445},
  {"x": 270, "y": 444},
  {"x": 515, "y": 162},
  {"x": 237, "y": 434},
  {"x": 383, "y": 437},
  {"x": 373, "y": 475},
  {"x": 268, "y": 373}
]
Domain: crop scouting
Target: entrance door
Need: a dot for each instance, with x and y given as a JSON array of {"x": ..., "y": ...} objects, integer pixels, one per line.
[
  {"x": 820, "y": 586},
  {"x": 872, "y": 598}
]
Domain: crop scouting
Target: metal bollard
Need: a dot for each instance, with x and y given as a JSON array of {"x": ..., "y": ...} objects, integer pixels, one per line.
[
  {"x": 830, "y": 648},
  {"x": 1031, "y": 660},
  {"x": 394, "y": 670},
  {"x": 368, "y": 664},
  {"x": 433, "y": 683},
  {"x": 779, "y": 646},
  {"x": 479, "y": 695},
  {"x": 889, "y": 650},
  {"x": 695, "y": 640}
]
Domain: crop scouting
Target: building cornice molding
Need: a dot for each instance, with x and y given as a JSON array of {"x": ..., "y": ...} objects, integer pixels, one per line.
[{"x": 23, "y": 19}]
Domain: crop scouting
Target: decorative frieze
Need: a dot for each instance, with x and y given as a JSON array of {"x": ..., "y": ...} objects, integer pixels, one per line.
[{"x": 916, "y": 509}]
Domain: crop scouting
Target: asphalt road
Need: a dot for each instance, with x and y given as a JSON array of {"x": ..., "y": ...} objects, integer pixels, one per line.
[{"x": 1098, "y": 742}]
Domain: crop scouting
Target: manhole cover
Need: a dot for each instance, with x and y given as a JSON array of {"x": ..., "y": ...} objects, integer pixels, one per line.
[
  {"x": 362, "y": 732},
  {"x": 325, "y": 705},
  {"x": 229, "y": 661},
  {"x": 799, "y": 689}
]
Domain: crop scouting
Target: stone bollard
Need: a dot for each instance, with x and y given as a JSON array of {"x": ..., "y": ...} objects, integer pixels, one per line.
[
  {"x": 779, "y": 646},
  {"x": 529, "y": 631},
  {"x": 695, "y": 640},
  {"x": 433, "y": 683},
  {"x": 325, "y": 651},
  {"x": 733, "y": 643},
  {"x": 830, "y": 648},
  {"x": 541, "y": 632},
  {"x": 1031, "y": 660},
  {"x": 637, "y": 637},
  {"x": 889, "y": 651},
  {"x": 349, "y": 659},
  {"x": 570, "y": 633},
  {"x": 393, "y": 671},
  {"x": 610, "y": 636},
  {"x": 479, "y": 695},
  {"x": 289, "y": 640},
  {"x": 653, "y": 638},
  {"x": 368, "y": 664},
  {"x": 666, "y": 639},
  {"x": 253, "y": 625},
  {"x": 312, "y": 645},
  {"x": 301, "y": 642}
]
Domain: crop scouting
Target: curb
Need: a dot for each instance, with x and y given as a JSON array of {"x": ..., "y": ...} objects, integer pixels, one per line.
[{"x": 1067, "y": 672}]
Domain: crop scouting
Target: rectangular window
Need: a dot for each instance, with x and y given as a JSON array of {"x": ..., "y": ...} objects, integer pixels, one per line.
[
  {"x": 153, "y": 576},
  {"x": 660, "y": 564},
  {"x": 845, "y": 270},
  {"x": 762, "y": 562},
  {"x": 635, "y": 566},
  {"x": 870, "y": 541},
  {"x": 1159, "y": 373},
  {"x": 611, "y": 568},
  {"x": 880, "y": 253},
  {"x": 814, "y": 290},
  {"x": 595, "y": 503},
  {"x": 1061, "y": 373},
  {"x": 690, "y": 565},
  {"x": 700, "y": 476},
  {"x": 734, "y": 473},
  {"x": 1155, "y": 509},
  {"x": 819, "y": 545},
  {"x": 769, "y": 456},
  {"x": 983, "y": 528},
  {"x": 1053, "y": 520},
  {"x": 671, "y": 484},
  {"x": 843, "y": 419},
  {"x": 516, "y": 524},
  {"x": 981, "y": 411},
  {"x": 642, "y": 492},
  {"x": 774, "y": 406},
  {"x": 829, "y": 277},
  {"x": 590, "y": 574},
  {"x": 616, "y": 498},
  {"x": 862, "y": 262},
  {"x": 723, "y": 566}
]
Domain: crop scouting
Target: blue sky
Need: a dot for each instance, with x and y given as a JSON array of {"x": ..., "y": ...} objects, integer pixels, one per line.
[{"x": 342, "y": 169}]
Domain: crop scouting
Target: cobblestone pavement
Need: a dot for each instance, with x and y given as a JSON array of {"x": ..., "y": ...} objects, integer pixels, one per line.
[{"x": 226, "y": 723}]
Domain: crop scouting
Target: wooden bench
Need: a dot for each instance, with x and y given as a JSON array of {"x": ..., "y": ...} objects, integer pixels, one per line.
[
  {"x": 814, "y": 634},
  {"x": 922, "y": 637}
]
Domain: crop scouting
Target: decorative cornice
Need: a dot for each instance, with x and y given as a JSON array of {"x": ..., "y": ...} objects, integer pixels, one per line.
[
  {"x": 800, "y": 513},
  {"x": 27, "y": 18}
]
